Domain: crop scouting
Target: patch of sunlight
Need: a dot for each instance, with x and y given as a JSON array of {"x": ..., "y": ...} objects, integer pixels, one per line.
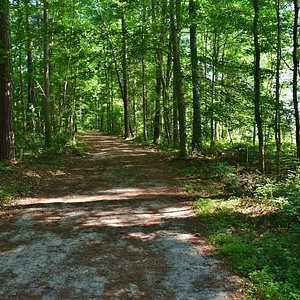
[
  {"x": 179, "y": 212},
  {"x": 53, "y": 200},
  {"x": 111, "y": 223},
  {"x": 131, "y": 217},
  {"x": 126, "y": 191},
  {"x": 32, "y": 174},
  {"x": 57, "y": 173},
  {"x": 118, "y": 193},
  {"x": 53, "y": 219},
  {"x": 15, "y": 250},
  {"x": 142, "y": 236}
]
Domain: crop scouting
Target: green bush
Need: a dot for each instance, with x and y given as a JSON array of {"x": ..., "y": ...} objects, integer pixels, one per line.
[
  {"x": 264, "y": 248},
  {"x": 266, "y": 287},
  {"x": 239, "y": 251}
]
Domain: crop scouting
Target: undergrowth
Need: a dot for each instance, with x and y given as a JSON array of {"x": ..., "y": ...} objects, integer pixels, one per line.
[
  {"x": 37, "y": 167},
  {"x": 253, "y": 221}
]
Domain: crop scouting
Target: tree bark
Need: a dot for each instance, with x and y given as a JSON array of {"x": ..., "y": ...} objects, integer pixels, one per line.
[
  {"x": 144, "y": 98},
  {"x": 158, "y": 87},
  {"x": 295, "y": 75},
  {"x": 46, "y": 106},
  {"x": 257, "y": 98},
  {"x": 178, "y": 90},
  {"x": 30, "y": 78},
  {"x": 213, "y": 90},
  {"x": 166, "y": 98},
  {"x": 197, "y": 130},
  {"x": 7, "y": 151},
  {"x": 125, "y": 77},
  {"x": 22, "y": 103},
  {"x": 277, "y": 91}
]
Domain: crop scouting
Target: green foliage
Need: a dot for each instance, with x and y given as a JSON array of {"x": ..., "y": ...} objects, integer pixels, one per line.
[
  {"x": 263, "y": 247},
  {"x": 284, "y": 194},
  {"x": 139, "y": 139},
  {"x": 62, "y": 144},
  {"x": 288, "y": 193},
  {"x": 28, "y": 176},
  {"x": 12, "y": 184},
  {"x": 266, "y": 287},
  {"x": 86, "y": 73},
  {"x": 7, "y": 193},
  {"x": 253, "y": 221},
  {"x": 238, "y": 250}
]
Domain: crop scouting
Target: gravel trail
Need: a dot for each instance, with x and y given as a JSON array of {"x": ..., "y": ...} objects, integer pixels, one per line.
[{"x": 114, "y": 226}]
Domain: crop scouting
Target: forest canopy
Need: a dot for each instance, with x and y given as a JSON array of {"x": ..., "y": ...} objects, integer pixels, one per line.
[{"x": 193, "y": 75}]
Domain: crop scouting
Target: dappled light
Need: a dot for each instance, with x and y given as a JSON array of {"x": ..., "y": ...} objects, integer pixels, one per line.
[
  {"x": 122, "y": 118},
  {"x": 104, "y": 230}
]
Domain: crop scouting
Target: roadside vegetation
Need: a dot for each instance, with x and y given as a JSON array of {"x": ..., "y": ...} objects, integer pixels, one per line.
[
  {"x": 252, "y": 220},
  {"x": 37, "y": 167},
  {"x": 219, "y": 76}
]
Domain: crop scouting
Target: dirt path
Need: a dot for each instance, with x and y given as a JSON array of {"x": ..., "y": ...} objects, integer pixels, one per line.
[{"x": 114, "y": 227}]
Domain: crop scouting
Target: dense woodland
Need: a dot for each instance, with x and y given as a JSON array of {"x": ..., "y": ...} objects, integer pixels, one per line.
[
  {"x": 191, "y": 74},
  {"x": 217, "y": 81}
]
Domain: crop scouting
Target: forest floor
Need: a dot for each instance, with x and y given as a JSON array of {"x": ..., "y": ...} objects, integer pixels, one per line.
[{"x": 112, "y": 225}]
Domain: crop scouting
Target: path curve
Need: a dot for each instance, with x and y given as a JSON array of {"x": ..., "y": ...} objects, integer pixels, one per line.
[{"x": 116, "y": 226}]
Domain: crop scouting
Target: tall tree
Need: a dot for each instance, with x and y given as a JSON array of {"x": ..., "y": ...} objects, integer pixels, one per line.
[
  {"x": 143, "y": 71},
  {"x": 257, "y": 95},
  {"x": 214, "y": 76},
  {"x": 277, "y": 89},
  {"x": 295, "y": 75},
  {"x": 175, "y": 16},
  {"x": 6, "y": 106},
  {"x": 125, "y": 95},
  {"x": 159, "y": 62},
  {"x": 197, "y": 133},
  {"x": 29, "y": 44},
  {"x": 46, "y": 106},
  {"x": 166, "y": 96}
]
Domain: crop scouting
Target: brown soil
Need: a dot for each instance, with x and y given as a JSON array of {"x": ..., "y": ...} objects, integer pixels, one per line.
[{"x": 115, "y": 225}]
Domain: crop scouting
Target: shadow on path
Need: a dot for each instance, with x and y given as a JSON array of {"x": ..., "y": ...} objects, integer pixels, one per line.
[{"x": 114, "y": 226}]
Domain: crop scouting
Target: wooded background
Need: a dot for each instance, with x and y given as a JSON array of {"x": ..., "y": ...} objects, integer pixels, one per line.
[{"x": 189, "y": 74}]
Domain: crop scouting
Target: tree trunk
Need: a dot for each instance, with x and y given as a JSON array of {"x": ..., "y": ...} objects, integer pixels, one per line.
[
  {"x": 257, "y": 104},
  {"x": 166, "y": 98},
  {"x": 213, "y": 123},
  {"x": 205, "y": 84},
  {"x": 295, "y": 76},
  {"x": 22, "y": 105},
  {"x": 30, "y": 73},
  {"x": 197, "y": 131},
  {"x": 158, "y": 89},
  {"x": 277, "y": 91},
  {"x": 6, "y": 106},
  {"x": 134, "y": 107},
  {"x": 144, "y": 99},
  {"x": 108, "y": 98},
  {"x": 46, "y": 106},
  {"x": 125, "y": 77},
  {"x": 175, "y": 117},
  {"x": 178, "y": 91},
  {"x": 30, "y": 79},
  {"x": 159, "y": 64}
]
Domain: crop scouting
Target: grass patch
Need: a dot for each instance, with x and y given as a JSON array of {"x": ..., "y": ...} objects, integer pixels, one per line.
[
  {"x": 252, "y": 220},
  {"x": 260, "y": 243}
]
